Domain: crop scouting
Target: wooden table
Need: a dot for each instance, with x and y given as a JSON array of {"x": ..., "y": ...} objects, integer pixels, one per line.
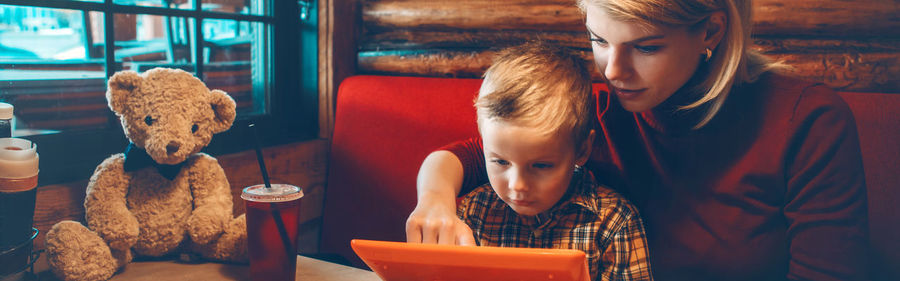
[{"x": 307, "y": 269}]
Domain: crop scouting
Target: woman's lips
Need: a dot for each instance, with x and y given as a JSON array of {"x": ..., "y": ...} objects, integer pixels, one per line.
[{"x": 628, "y": 93}]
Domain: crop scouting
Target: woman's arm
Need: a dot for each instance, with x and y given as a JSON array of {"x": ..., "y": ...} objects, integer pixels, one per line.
[
  {"x": 825, "y": 200},
  {"x": 439, "y": 182}
]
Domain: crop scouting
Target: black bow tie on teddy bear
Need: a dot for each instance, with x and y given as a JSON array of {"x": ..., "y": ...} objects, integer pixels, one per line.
[{"x": 136, "y": 158}]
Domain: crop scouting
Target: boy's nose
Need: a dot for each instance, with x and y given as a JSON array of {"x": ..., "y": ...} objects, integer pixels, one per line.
[{"x": 518, "y": 184}]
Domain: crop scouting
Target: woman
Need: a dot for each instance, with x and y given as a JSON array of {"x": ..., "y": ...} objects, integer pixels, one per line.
[{"x": 739, "y": 173}]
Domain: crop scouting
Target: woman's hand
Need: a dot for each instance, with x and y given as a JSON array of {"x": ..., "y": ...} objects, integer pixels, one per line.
[{"x": 434, "y": 219}]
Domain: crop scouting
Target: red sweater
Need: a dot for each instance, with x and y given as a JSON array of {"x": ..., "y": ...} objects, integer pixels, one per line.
[{"x": 772, "y": 188}]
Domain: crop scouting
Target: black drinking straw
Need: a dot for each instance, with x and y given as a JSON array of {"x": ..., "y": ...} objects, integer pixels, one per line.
[{"x": 265, "y": 174}]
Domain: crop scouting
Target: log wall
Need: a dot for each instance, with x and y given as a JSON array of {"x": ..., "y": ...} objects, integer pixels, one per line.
[{"x": 848, "y": 45}]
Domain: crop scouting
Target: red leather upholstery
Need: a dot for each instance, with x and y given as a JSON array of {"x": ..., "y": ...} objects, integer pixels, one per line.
[
  {"x": 385, "y": 126},
  {"x": 878, "y": 121}
]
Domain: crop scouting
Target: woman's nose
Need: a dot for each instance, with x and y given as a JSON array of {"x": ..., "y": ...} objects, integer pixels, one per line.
[{"x": 618, "y": 65}]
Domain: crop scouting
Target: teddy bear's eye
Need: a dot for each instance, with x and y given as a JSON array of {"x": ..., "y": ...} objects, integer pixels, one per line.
[
  {"x": 194, "y": 128},
  {"x": 149, "y": 120}
]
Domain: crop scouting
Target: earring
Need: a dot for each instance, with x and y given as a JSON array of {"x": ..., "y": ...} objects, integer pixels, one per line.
[
  {"x": 577, "y": 167},
  {"x": 708, "y": 55}
]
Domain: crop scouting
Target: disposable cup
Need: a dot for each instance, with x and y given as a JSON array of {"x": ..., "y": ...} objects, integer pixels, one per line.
[
  {"x": 273, "y": 223},
  {"x": 18, "y": 179}
]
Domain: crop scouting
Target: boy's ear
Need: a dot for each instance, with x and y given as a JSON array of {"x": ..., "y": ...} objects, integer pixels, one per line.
[
  {"x": 224, "y": 108},
  {"x": 584, "y": 152},
  {"x": 120, "y": 86}
]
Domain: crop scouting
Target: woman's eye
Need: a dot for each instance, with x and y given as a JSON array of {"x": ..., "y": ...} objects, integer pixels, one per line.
[
  {"x": 598, "y": 41},
  {"x": 542, "y": 165},
  {"x": 500, "y": 162},
  {"x": 149, "y": 120},
  {"x": 647, "y": 49},
  {"x": 194, "y": 128}
]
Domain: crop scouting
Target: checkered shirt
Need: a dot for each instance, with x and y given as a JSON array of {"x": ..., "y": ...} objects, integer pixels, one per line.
[{"x": 589, "y": 217}]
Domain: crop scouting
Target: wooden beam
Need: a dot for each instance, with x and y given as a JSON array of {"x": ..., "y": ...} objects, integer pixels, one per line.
[
  {"x": 410, "y": 39},
  {"x": 325, "y": 66},
  {"x": 829, "y": 18},
  {"x": 337, "y": 55},
  {"x": 833, "y": 18},
  {"x": 854, "y": 72},
  {"x": 472, "y": 14},
  {"x": 863, "y": 72},
  {"x": 439, "y": 63},
  {"x": 777, "y": 45}
]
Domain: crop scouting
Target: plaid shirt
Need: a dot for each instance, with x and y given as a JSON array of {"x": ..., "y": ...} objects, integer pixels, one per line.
[{"x": 589, "y": 217}]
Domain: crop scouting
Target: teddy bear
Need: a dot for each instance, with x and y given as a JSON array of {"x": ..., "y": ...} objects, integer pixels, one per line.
[{"x": 162, "y": 197}]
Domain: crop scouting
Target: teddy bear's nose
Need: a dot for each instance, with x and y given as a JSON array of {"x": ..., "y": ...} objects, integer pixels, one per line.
[{"x": 172, "y": 147}]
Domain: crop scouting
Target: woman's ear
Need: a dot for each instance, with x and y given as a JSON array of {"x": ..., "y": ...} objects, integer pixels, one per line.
[
  {"x": 224, "y": 108},
  {"x": 584, "y": 152},
  {"x": 714, "y": 30},
  {"x": 120, "y": 86}
]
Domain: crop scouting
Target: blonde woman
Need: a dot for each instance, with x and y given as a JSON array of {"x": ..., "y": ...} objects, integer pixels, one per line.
[{"x": 739, "y": 173}]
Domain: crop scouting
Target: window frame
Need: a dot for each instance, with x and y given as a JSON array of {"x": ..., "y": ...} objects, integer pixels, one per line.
[{"x": 292, "y": 103}]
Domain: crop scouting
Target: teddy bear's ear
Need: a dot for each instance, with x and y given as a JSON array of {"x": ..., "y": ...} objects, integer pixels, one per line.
[
  {"x": 224, "y": 107},
  {"x": 121, "y": 85}
]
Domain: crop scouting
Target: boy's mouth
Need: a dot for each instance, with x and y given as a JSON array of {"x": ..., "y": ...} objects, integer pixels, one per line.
[{"x": 523, "y": 203}]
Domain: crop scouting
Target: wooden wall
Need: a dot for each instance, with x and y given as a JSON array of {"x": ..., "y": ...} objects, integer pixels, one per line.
[
  {"x": 851, "y": 45},
  {"x": 302, "y": 164}
]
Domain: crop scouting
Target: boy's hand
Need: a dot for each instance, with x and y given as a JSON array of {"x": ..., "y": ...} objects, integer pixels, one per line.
[{"x": 434, "y": 225}]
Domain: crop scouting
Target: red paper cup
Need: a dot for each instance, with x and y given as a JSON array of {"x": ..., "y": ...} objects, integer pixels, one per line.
[{"x": 273, "y": 223}]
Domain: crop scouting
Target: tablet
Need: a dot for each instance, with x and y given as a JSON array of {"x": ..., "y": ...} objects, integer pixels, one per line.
[{"x": 400, "y": 261}]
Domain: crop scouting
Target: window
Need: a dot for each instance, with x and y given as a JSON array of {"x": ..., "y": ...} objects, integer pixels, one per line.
[{"x": 56, "y": 56}]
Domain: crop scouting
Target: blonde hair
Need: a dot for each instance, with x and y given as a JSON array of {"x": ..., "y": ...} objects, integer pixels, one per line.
[
  {"x": 539, "y": 85},
  {"x": 732, "y": 63}
]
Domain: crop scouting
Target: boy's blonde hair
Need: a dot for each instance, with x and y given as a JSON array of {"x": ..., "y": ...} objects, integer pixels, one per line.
[
  {"x": 732, "y": 62},
  {"x": 539, "y": 85}
]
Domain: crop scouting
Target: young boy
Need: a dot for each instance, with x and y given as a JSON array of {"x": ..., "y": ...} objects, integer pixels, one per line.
[{"x": 535, "y": 116}]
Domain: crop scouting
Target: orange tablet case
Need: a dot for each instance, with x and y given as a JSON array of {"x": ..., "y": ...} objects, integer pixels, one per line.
[{"x": 399, "y": 261}]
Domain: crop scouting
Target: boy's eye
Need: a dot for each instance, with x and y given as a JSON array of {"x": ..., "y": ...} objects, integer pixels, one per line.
[
  {"x": 542, "y": 165},
  {"x": 647, "y": 49},
  {"x": 500, "y": 162}
]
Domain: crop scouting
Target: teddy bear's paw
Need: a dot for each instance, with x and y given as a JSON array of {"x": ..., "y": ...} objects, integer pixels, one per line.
[
  {"x": 120, "y": 234},
  {"x": 118, "y": 227},
  {"x": 76, "y": 253},
  {"x": 231, "y": 246},
  {"x": 234, "y": 241},
  {"x": 203, "y": 229}
]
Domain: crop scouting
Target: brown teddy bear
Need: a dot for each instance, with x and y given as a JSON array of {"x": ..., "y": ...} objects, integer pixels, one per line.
[{"x": 162, "y": 196}]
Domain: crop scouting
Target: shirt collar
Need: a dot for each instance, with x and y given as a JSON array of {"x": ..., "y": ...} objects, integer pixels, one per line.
[{"x": 582, "y": 192}]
